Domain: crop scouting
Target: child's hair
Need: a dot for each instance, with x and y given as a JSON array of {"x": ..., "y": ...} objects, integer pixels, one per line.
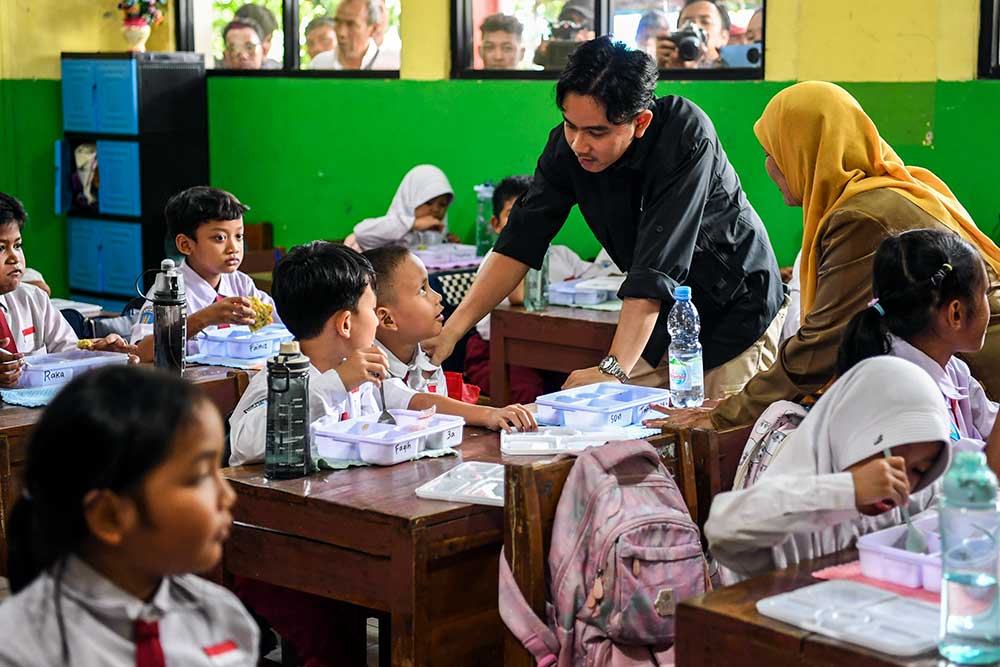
[
  {"x": 512, "y": 186},
  {"x": 914, "y": 274},
  {"x": 385, "y": 261},
  {"x": 315, "y": 281},
  {"x": 189, "y": 209},
  {"x": 12, "y": 211},
  {"x": 90, "y": 438}
]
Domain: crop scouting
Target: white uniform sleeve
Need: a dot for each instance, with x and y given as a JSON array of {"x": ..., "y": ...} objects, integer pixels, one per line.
[
  {"x": 59, "y": 335},
  {"x": 397, "y": 394},
  {"x": 143, "y": 327},
  {"x": 743, "y": 526},
  {"x": 376, "y": 232},
  {"x": 984, "y": 411}
]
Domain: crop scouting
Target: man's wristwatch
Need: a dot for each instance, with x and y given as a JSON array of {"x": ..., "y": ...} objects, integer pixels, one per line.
[{"x": 609, "y": 366}]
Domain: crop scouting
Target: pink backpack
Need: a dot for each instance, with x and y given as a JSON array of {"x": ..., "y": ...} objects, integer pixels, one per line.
[{"x": 624, "y": 553}]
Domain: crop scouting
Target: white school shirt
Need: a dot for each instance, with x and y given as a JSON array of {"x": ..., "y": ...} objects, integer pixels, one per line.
[
  {"x": 564, "y": 264},
  {"x": 201, "y": 295},
  {"x": 420, "y": 375},
  {"x": 794, "y": 316},
  {"x": 37, "y": 326},
  {"x": 200, "y": 623},
  {"x": 375, "y": 58},
  {"x": 971, "y": 411},
  {"x": 803, "y": 504},
  {"x": 327, "y": 396}
]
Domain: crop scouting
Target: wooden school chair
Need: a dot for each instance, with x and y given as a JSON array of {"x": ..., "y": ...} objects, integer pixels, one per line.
[
  {"x": 226, "y": 392},
  {"x": 531, "y": 495}
]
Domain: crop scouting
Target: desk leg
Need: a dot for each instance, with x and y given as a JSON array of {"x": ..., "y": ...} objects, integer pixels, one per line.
[
  {"x": 406, "y": 633},
  {"x": 499, "y": 368}
]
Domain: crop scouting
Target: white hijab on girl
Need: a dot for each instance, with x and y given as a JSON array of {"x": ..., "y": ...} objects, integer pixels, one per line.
[{"x": 419, "y": 186}]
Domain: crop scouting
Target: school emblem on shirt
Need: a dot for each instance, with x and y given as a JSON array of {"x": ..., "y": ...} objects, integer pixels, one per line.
[
  {"x": 226, "y": 653},
  {"x": 146, "y": 318}
]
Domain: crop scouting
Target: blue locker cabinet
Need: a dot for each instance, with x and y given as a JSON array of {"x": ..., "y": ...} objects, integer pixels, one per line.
[{"x": 105, "y": 257}]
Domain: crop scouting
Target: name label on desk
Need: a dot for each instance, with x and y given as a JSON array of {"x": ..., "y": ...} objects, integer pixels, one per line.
[{"x": 59, "y": 376}]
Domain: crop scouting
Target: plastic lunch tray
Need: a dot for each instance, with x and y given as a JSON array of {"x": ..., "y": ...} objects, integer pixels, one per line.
[
  {"x": 239, "y": 343},
  {"x": 59, "y": 368},
  {"x": 474, "y": 482},
  {"x": 555, "y": 439},
  {"x": 880, "y": 559},
  {"x": 568, "y": 293},
  {"x": 364, "y": 439},
  {"x": 859, "y": 614},
  {"x": 598, "y": 405}
]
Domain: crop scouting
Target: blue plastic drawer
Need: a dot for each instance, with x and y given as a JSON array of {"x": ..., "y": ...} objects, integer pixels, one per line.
[
  {"x": 79, "y": 95},
  {"x": 122, "y": 257},
  {"x": 85, "y": 240},
  {"x": 117, "y": 97},
  {"x": 118, "y": 162},
  {"x": 111, "y": 305}
]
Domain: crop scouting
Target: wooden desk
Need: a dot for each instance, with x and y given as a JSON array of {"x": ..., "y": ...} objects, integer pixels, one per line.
[
  {"x": 723, "y": 629},
  {"x": 556, "y": 339},
  {"x": 361, "y": 535}
]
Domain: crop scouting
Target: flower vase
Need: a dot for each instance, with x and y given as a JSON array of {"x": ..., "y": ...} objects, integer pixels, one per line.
[{"x": 136, "y": 32}]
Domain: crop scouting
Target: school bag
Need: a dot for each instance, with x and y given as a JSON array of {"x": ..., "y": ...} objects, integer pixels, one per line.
[
  {"x": 767, "y": 437},
  {"x": 624, "y": 553}
]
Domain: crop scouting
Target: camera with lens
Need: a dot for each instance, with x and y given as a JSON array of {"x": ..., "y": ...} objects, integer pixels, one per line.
[
  {"x": 689, "y": 40},
  {"x": 560, "y": 45},
  {"x": 565, "y": 30}
]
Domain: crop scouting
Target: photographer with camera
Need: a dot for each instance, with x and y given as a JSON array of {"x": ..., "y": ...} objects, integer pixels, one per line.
[
  {"x": 574, "y": 26},
  {"x": 656, "y": 188},
  {"x": 703, "y": 29}
]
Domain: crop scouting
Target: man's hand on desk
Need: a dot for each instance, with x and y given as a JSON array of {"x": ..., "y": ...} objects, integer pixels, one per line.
[
  {"x": 585, "y": 376},
  {"x": 683, "y": 417}
]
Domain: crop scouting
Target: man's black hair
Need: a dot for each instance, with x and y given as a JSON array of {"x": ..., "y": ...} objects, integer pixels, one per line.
[
  {"x": 315, "y": 281},
  {"x": 189, "y": 209},
  {"x": 12, "y": 210},
  {"x": 510, "y": 187},
  {"x": 727, "y": 21},
  {"x": 622, "y": 80},
  {"x": 502, "y": 23}
]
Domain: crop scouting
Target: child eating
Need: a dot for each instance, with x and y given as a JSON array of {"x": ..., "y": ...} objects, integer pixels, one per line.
[
  {"x": 408, "y": 312},
  {"x": 123, "y": 499},
  {"x": 207, "y": 227},
  {"x": 830, "y": 481}
]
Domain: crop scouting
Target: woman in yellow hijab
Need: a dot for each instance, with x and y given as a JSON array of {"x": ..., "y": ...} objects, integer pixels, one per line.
[{"x": 825, "y": 154}]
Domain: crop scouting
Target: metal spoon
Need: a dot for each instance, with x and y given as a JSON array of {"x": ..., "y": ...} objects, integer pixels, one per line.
[
  {"x": 385, "y": 417},
  {"x": 915, "y": 540}
]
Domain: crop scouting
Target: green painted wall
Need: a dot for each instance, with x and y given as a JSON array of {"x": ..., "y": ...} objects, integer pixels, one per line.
[
  {"x": 316, "y": 156},
  {"x": 30, "y": 122}
]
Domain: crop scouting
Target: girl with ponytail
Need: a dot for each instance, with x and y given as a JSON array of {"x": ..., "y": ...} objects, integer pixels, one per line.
[
  {"x": 122, "y": 501},
  {"x": 930, "y": 304}
]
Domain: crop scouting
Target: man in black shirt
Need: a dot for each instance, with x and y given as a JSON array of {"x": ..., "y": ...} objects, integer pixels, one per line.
[{"x": 656, "y": 188}]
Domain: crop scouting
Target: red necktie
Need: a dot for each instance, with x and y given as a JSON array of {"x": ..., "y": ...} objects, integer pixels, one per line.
[
  {"x": 148, "y": 652},
  {"x": 5, "y": 332}
]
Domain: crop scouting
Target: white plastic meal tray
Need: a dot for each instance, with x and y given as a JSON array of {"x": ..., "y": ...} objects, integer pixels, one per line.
[
  {"x": 883, "y": 558},
  {"x": 598, "y": 406},
  {"x": 239, "y": 343},
  {"x": 556, "y": 440},
  {"x": 474, "y": 482},
  {"x": 859, "y": 614},
  {"x": 570, "y": 293},
  {"x": 44, "y": 370},
  {"x": 366, "y": 440}
]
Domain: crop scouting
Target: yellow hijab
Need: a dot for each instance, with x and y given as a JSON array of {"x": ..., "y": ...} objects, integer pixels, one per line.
[{"x": 830, "y": 150}]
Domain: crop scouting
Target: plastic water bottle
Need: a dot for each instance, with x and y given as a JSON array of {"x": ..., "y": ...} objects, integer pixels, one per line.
[
  {"x": 484, "y": 230},
  {"x": 536, "y": 287},
  {"x": 287, "y": 452},
  {"x": 169, "y": 299},
  {"x": 687, "y": 377},
  {"x": 970, "y": 528}
]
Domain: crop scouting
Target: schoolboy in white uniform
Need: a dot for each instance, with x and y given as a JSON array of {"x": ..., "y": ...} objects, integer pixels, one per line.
[
  {"x": 207, "y": 226},
  {"x": 409, "y": 311},
  {"x": 29, "y": 324},
  {"x": 829, "y": 482}
]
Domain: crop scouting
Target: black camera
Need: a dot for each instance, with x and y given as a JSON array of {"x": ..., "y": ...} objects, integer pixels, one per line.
[
  {"x": 689, "y": 40},
  {"x": 565, "y": 30}
]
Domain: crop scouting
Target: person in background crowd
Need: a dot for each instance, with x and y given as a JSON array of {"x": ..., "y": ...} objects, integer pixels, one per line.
[
  {"x": 501, "y": 47},
  {"x": 714, "y": 20},
  {"x": 268, "y": 25},
  {"x": 356, "y": 22},
  {"x": 653, "y": 23},
  {"x": 243, "y": 45},
  {"x": 320, "y": 36}
]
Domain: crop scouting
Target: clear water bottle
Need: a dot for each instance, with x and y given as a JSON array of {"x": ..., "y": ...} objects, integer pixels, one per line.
[
  {"x": 287, "y": 451},
  {"x": 169, "y": 299},
  {"x": 687, "y": 377},
  {"x": 970, "y": 528},
  {"x": 484, "y": 207},
  {"x": 536, "y": 287}
]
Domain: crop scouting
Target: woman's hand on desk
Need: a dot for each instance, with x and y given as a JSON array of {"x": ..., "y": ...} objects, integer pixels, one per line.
[
  {"x": 682, "y": 417},
  {"x": 10, "y": 366},
  {"x": 585, "y": 376}
]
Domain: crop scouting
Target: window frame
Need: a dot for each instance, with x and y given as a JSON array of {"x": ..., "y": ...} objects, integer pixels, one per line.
[
  {"x": 989, "y": 39},
  {"x": 184, "y": 35},
  {"x": 462, "y": 29}
]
